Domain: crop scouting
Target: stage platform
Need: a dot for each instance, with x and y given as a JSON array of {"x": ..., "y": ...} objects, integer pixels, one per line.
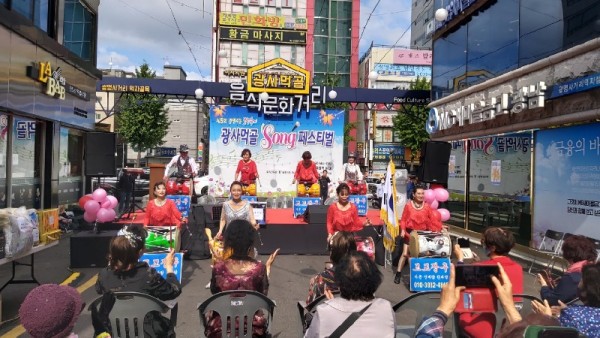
[{"x": 281, "y": 230}]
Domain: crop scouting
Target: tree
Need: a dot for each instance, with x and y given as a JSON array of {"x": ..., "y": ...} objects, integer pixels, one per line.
[
  {"x": 409, "y": 123},
  {"x": 142, "y": 119}
]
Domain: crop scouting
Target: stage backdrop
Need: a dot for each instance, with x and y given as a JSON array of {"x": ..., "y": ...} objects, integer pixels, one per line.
[
  {"x": 567, "y": 181},
  {"x": 276, "y": 142}
]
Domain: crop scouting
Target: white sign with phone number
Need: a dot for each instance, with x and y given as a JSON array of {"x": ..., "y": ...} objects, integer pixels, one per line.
[{"x": 429, "y": 274}]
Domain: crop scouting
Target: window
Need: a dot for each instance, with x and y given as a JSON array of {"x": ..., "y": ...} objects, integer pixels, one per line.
[
  {"x": 79, "y": 29},
  {"x": 26, "y": 156},
  {"x": 70, "y": 175},
  {"x": 37, "y": 11},
  {"x": 449, "y": 63}
]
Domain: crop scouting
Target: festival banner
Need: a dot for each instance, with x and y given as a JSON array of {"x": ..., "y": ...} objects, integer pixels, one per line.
[
  {"x": 276, "y": 142},
  {"x": 567, "y": 181}
]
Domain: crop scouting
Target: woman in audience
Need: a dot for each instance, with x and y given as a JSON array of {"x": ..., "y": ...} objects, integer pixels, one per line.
[
  {"x": 240, "y": 272},
  {"x": 577, "y": 251},
  {"x": 126, "y": 273},
  {"x": 343, "y": 214},
  {"x": 585, "y": 318},
  {"x": 340, "y": 244}
]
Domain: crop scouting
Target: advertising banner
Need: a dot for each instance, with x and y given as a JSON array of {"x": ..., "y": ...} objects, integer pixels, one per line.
[
  {"x": 276, "y": 142},
  {"x": 412, "y": 57},
  {"x": 261, "y": 21},
  {"x": 567, "y": 181},
  {"x": 263, "y": 35},
  {"x": 386, "y": 69}
]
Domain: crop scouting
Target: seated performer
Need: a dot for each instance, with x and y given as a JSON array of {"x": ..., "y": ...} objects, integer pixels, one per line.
[
  {"x": 186, "y": 166},
  {"x": 247, "y": 173},
  {"x": 350, "y": 170},
  {"x": 307, "y": 176}
]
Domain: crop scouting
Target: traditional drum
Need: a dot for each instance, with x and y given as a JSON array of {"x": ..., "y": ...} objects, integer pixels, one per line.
[
  {"x": 249, "y": 189},
  {"x": 162, "y": 238},
  {"x": 216, "y": 247},
  {"x": 306, "y": 189},
  {"x": 429, "y": 244},
  {"x": 357, "y": 187},
  {"x": 178, "y": 187}
]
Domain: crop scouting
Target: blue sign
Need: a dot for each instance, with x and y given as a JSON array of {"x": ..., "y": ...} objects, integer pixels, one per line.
[
  {"x": 429, "y": 274},
  {"x": 575, "y": 86},
  {"x": 260, "y": 212},
  {"x": 301, "y": 203},
  {"x": 156, "y": 261},
  {"x": 361, "y": 203},
  {"x": 250, "y": 198},
  {"x": 182, "y": 202},
  {"x": 381, "y": 152},
  {"x": 165, "y": 152},
  {"x": 384, "y": 69}
]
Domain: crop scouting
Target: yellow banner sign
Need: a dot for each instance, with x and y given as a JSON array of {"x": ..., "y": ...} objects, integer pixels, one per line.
[
  {"x": 262, "y": 21},
  {"x": 278, "y": 76}
]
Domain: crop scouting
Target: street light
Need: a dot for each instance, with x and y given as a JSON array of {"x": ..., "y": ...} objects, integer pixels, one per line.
[
  {"x": 199, "y": 93},
  {"x": 373, "y": 75},
  {"x": 332, "y": 94},
  {"x": 441, "y": 14},
  {"x": 264, "y": 96}
]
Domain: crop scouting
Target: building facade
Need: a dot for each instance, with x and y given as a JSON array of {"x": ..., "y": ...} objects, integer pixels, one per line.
[
  {"x": 47, "y": 92},
  {"x": 422, "y": 24},
  {"x": 515, "y": 89}
]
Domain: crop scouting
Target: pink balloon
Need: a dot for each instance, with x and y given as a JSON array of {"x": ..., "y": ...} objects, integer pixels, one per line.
[
  {"x": 91, "y": 207},
  {"x": 112, "y": 214},
  {"x": 106, "y": 203},
  {"x": 434, "y": 205},
  {"x": 99, "y": 195},
  {"x": 88, "y": 217},
  {"x": 444, "y": 213},
  {"x": 102, "y": 215},
  {"x": 441, "y": 194},
  {"x": 429, "y": 196},
  {"x": 113, "y": 201}
]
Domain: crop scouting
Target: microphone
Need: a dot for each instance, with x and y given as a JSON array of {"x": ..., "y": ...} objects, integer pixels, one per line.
[{"x": 296, "y": 125}]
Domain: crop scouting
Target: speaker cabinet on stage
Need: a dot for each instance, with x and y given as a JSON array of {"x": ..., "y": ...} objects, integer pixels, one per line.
[
  {"x": 100, "y": 149},
  {"x": 316, "y": 214},
  {"x": 89, "y": 249},
  {"x": 435, "y": 156}
]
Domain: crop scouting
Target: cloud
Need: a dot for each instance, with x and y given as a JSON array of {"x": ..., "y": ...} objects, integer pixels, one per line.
[{"x": 388, "y": 22}]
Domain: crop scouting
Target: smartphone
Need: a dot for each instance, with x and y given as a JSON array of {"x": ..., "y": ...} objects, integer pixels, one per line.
[
  {"x": 476, "y": 276},
  {"x": 477, "y": 300},
  {"x": 464, "y": 242},
  {"x": 464, "y": 245},
  {"x": 536, "y": 331}
]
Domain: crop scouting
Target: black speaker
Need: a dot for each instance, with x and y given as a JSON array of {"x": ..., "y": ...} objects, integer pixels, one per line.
[
  {"x": 435, "y": 156},
  {"x": 316, "y": 214},
  {"x": 100, "y": 159},
  {"x": 89, "y": 249}
]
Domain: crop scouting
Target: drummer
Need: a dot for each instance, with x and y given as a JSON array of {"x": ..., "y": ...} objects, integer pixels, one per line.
[{"x": 350, "y": 171}]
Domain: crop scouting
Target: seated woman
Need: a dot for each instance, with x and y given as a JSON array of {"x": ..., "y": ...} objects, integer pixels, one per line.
[
  {"x": 577, "y": 251},
  {"x": 240, "y": 272},
  {"x": 341, "y": 243},
  {"x": 126, "y": 273}
]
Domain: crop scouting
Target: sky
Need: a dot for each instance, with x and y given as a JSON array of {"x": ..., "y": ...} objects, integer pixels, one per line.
[{"x": 133, "y": 31}]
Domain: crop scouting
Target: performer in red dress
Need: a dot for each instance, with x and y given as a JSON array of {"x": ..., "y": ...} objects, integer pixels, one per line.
[
  {"x": 417, "y": 215},
  {"x": 247, "y": 168},
  {"x": 343, "y": 214},
  {"x": 306, "y": 170},
  {"x": 161, "y": 211}
]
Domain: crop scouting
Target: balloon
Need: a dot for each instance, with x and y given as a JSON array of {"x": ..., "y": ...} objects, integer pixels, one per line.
[
  {"x": 103, "y": 215},
  {"x": 112, "y": 214},
  {"x": 99, "y": 195},
  {"x": 83, "y": 200},
  {"x": 88, "y": 217},
  {"x": 113, "y": 201},
  {"x": 434, "y": 205},
  {"x": 106, "y": 203},
  {"x": 91, "y": 207},
  {"x": 437, "y": 216},
  {"x": 429, "y": 196},
  {"x": 441, "y": 194},
  {"x": 444, "y": 213}
]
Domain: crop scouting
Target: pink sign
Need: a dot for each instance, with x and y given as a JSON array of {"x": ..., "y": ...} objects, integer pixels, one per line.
[{"x": 412, "y": 57}]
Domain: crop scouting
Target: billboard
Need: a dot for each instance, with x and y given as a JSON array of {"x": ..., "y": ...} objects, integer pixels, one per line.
[
  {"x": 261, "y": 21},
  {"x": 276, "y": 142},
  {"x": 262, "y": 35},
  {"x": 567, "y": 181}
]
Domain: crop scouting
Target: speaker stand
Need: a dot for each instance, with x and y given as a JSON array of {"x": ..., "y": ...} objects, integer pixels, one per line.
[{"x": 132, "y": 204}]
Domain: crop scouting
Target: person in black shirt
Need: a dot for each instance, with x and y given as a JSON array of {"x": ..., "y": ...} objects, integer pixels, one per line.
[
  {"x": 324, "y": 183},
  {"x": 125, "y": 187}
]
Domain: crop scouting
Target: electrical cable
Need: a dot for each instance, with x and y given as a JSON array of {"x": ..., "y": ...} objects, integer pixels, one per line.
[{"x": 184, "y": 39}]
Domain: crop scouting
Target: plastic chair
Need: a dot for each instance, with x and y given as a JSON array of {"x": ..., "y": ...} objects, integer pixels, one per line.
[
  {"x": 306, "y": 310},
  {"x": 418, "y": 306},
  {"x": 551, "y": 244},
  {"x": 127, "y": 315},
  {"x": 597, "y": 244},
  {"x": 237, "y": 308}
]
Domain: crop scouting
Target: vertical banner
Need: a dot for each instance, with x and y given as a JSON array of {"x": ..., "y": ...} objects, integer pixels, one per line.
[
  {"x": 276, "y": 142},
  {"x": 496, "y": 172},
  {"x": 567, "y": 181}
]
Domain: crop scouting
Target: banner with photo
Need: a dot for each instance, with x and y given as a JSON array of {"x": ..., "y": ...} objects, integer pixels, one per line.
[
  {"x": 567, "y": 181},
  {"x": 276, "y": 142}
]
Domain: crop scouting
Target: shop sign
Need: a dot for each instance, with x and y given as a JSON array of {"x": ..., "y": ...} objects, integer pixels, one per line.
[
  {"x": 412, "y": 57},
  {"x": 576, "y": 86},
  {"x": 55, "y": 84},
  {"x": 277, "y": 104},
  {"x": 386, "y": 69},
  {"x": 125, "y": 88},
  {"x": 262, "y": 21},
  {"x": 382, "y": 153},
  {"x": 263, "y": 35},
  {"x": 165, "y": 152},
  {"x": 232, "y": 72},
  {"x": 527, "y": 97},
  {"x": 278, "y": 76}
]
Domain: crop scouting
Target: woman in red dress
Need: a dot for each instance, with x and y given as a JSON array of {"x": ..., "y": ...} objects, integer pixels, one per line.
[
  {"x": 247, "y": 168},
  {"x": 343, "y": 215},
  {"x": 161, "y": 211},
  {"x": 417, "y": 215}
]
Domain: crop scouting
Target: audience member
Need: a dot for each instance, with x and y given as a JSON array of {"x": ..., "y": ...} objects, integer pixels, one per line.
[
  {"x": 340, "y": 244},
  {"x": 585, "y": 318},
  {"x": 358, "y": 279},
  {"x": 51, "y": 311},
  {"x": 240, "y": 272},
  {"x": 126, "y": 273},
  {"x": 577, "y": 251}
]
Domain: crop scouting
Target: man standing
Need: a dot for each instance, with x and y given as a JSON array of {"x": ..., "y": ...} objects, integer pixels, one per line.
[
  {"x": 125, "y": 187},
  {"x": 324, "y": 181},
  {"x": 186, "y": 166}
]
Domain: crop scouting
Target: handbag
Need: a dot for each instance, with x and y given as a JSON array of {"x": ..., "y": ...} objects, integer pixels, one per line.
[{"x": 348, "y": 322}]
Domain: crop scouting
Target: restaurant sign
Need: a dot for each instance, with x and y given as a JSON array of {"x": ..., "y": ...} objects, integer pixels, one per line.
[
  {"x": 278, "y": 76},
  {"x": 263, "y": 35},
  {"x": 262, "y": 21},
  {"x": 55, "y": 83}
]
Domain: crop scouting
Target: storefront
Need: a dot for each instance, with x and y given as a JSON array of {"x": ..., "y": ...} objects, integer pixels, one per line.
[{"x": 47, "y": 97}]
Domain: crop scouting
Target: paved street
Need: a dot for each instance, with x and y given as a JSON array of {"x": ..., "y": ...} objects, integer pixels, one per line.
[{"x": 289, "y": 283}]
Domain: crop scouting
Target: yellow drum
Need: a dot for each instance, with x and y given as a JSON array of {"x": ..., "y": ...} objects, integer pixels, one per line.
[
  {"x": 313, "y": 191},
  {"x": 216, "y": 247},
  {"x": 249, "y": 189}
]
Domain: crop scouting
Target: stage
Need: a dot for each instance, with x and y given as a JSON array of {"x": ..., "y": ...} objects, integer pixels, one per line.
[{"x": 281, "y": 230}]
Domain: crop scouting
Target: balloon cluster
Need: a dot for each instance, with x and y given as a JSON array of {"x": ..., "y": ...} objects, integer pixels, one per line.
[
  {"x": 98, "y": 206},
  {"x": 433, "y": 197}
]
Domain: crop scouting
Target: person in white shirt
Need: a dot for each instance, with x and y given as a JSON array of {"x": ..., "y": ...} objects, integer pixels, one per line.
[
  {"x": 185, "y": 166},
  {"x": 350, "y": 171}
]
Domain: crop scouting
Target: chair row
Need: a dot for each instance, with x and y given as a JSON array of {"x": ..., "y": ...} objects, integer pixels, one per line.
[{"x": 551, "y": 245}]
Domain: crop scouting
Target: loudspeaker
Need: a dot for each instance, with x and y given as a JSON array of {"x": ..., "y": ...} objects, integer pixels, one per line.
[
  {"x": 89, "y": 249},
  {"x": 435, "y": 156},
  {"x": 100, "y": 159},
  {"x": 316, "y": 214}
]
